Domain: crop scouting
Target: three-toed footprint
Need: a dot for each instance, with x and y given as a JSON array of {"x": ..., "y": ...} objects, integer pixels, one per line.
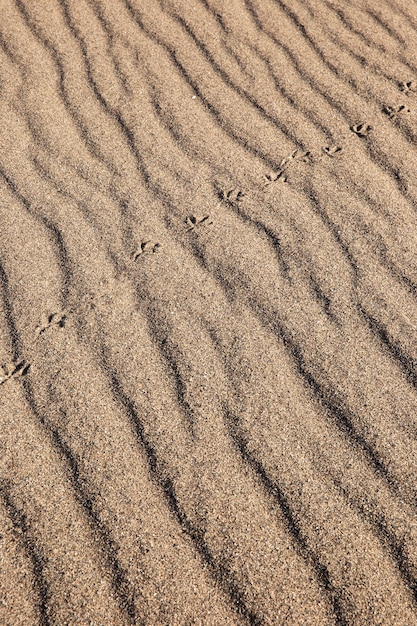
[
  {"x": 53, "y": 319},
  {"x": 233, "y": 195},
  {"x": 296, "y": 155},
  {"x": 394, "y": 112},
  {"x": 408, "y": 87},
  {"x": 273, "y": 177},
  {"x": 331, "y": 151},
  {"x": 280, "y": 173},
  {"x": 194, "y": 222},
  {"x": 13, "y": 370},
  {"x": 146, "y": 247},
  {"x": 301, "y": 155},
  {"x": 361, "y": 130}
]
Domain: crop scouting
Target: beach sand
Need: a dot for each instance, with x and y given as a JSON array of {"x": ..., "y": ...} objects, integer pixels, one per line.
[{"x": 208, "y": 315}]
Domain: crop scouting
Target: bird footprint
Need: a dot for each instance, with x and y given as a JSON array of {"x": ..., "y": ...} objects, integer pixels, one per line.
[
  {"x": 331, "y": 151},
  {"x": 408, "y": 87},
  {"x": 393, "y": 112},
  {"x": 361, "y": 130},
  {"x": 279, "y": 174},
  {"x": 296, "y": 155},
  {"x": 233, "y": 196},
  {"x": 193, "y": 222},
  {"x": 273, "y": 177},
  {"x": 146, "y": 247},
  {"x": 301, "y": 155},
  {"x": 57, "y": 319},
  {"x": 13, "y": 369}
]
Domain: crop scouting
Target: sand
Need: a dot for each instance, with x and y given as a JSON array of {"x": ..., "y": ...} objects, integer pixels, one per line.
[{"x": 208, "y": 312}]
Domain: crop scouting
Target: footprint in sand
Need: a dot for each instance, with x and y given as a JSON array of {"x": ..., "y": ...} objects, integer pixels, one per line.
[
  {"x": 408, "y": 87},
  {"x": 331, "y": 151},
  {"x": 301, "y": 155},
  {"x": 233, "y": 195},
  {"x": 280, "y": 174},
  {"x": 54, "y": 319},
  {"x": 296, "y": 155},
  {"x": 193, "y": 222},
  {"x": 13, "y": 370},
  {"x": 286, "y": 160},
  {"x": 394, "y": 112},
  {"x": 272, "y": 177},
  {"x": 361, "y": 130},
  {"x": 146, "y": 247}
]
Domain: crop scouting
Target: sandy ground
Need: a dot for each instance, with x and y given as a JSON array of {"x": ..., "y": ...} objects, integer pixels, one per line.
[{"x": 208, "y": 317}]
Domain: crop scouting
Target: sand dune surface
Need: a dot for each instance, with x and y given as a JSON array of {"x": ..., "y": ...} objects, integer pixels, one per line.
[{"x": 208, "y": 312}]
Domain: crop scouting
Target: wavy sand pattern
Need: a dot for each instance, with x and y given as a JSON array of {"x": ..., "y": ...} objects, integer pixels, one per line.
[{"x": 208, "y": 320}]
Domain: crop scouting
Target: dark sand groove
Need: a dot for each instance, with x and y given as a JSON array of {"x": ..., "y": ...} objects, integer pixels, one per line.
[
  {"x": 208, "y": 313},
  {"x": 20, "y": 528}
]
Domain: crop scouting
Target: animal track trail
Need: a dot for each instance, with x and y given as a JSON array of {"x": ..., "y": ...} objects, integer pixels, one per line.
[
  {"x": 146, "y": 248},
  {"x": 13, "y": 369},
  {"x": 53, "y": 319},
  {"x": 194, "y": 223},
  {"x": 305, "y": 156}
]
